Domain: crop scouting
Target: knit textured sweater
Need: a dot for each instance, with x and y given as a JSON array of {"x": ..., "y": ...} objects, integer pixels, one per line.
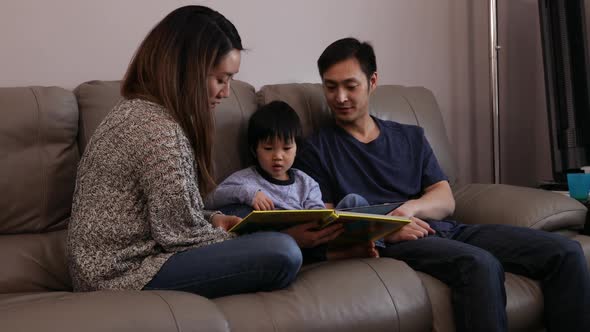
[{"x": 136, "y": 200}]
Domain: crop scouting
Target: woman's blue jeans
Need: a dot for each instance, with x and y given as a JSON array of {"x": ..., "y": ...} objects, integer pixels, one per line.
[{"x": 262, "y": 261}]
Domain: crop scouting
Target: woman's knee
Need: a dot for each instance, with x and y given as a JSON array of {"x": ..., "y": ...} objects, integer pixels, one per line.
[{"x": 285, "y": 252}]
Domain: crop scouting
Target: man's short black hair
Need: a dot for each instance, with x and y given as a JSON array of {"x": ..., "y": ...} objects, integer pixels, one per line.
[
  {"x": 349, "y": 48},
  {"x": 275, "y": 120}
]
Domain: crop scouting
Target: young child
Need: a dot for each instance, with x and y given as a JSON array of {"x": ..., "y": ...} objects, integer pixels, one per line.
[{"x": 273, "y": 133}]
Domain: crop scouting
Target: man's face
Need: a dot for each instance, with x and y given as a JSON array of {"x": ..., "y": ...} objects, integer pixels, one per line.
[{"x": 347, "y": 91}]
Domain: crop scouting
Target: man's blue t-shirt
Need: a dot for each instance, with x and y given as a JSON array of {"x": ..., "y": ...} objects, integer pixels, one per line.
[{"x": 396, "y": 166}]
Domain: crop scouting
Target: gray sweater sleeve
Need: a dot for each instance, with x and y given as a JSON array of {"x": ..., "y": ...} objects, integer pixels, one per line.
[
  {"x": 238, "y": 188},
  {"x": 242, "y": 186},
  {"x": 314, "y": 197}
]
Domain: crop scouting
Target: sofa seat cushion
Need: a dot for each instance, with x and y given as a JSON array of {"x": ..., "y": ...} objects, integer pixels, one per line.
[
  {"x": 34, "y": 263},
  {"x": 524, "y": 303},
  {"x": 350, "y": 295},
  {"x": 110, "y": 311}
]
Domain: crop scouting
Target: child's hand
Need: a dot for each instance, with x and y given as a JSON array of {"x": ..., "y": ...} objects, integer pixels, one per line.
[
  {"x": 225, "y": 222},
  {"x": 262, "y": 202}
]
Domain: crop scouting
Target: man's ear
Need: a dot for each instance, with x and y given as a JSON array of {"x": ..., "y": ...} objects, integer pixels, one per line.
[{"x": 373, "y": 82}]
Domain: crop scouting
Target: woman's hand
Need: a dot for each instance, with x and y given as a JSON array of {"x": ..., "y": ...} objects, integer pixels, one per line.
[
  {"x": 308, "y": 236},
  {"x": 262, "y": 202},
  {"x": 225, "y": 222}
]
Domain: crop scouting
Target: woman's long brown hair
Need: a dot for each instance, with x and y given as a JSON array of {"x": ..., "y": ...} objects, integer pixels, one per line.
[{"x": 171, "y": 67}]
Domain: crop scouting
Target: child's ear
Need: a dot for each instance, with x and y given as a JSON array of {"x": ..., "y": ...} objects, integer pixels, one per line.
[{"x": 253, "y": 152}]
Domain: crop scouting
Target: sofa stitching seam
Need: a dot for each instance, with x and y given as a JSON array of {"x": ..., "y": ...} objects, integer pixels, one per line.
[
  {"x": 170, "y": 309},
  {"x": 43, "y": 212},
  {"x": 238, "y": 101},
  {"x": 309, "y": 112},
  {"x": 553, "y": 215},
  {"x": 241, "y": 108},
  {"x": 264, "y": 304},
  {"x": 388, "y": 292},
  {"x": 412, "y": 108},
  {"x": 83, "y": 127}
]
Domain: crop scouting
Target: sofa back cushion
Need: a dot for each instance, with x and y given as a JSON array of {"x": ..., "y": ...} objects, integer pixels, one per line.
[
  {"x": 38, "y": 158},
  {"x": 230, "y": 148},
  {"x": 97, "y": 98},
  {"x": 95, "y": 101},
  {"x": 409, "y": 105}
]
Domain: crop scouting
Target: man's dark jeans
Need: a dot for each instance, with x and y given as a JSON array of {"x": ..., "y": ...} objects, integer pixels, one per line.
[{"x": 472, "y": 259}]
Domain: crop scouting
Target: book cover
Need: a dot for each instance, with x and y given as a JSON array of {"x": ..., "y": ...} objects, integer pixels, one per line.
[
  {"x": 358, "y": 227},
  {"x": 365, "y": 227}
]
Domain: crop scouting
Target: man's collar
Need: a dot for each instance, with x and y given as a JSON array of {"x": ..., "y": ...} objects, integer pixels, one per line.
[{"x": 363, "y": 136}]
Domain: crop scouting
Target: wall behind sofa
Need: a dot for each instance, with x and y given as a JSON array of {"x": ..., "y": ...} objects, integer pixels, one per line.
[{"x": 441, "y": 45}]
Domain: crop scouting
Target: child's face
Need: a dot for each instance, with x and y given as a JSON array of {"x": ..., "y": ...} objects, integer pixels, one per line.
[{"x": 276, "y": 157}]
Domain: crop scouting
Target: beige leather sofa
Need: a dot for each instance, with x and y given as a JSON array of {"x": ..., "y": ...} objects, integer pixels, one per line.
[{"x": 43, "y": 131}]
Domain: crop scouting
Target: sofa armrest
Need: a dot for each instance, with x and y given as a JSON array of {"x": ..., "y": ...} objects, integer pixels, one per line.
[{"x": 519, "y": 206}]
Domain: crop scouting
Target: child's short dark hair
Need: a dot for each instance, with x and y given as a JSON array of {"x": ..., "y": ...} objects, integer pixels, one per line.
[{"x": 274, "y": 120}]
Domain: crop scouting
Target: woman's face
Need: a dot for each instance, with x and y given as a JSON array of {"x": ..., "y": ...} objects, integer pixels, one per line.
[{"x": 219, "y": 78}]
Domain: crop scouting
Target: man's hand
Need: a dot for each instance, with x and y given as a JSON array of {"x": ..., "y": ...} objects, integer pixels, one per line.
[
  {"x": 307, "y": 236},
  {"x": 262, "y": 202},
  {"x": 225, "y": 222},
  {"x": 416, "y": 229},
  {"x": 408, "y": 209}
]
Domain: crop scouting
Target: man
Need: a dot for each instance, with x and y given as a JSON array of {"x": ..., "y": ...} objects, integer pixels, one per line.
[{"x": 385, "y": 161}]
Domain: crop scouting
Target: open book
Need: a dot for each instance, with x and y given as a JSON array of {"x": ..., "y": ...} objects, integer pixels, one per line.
[{"x": 358, "y": 227}]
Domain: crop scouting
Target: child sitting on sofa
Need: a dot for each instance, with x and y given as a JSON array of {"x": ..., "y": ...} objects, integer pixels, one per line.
[{"x": 273, "y": 133}]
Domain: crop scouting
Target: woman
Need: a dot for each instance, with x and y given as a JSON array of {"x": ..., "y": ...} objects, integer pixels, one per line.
[{"x": 137, "y": 218}]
